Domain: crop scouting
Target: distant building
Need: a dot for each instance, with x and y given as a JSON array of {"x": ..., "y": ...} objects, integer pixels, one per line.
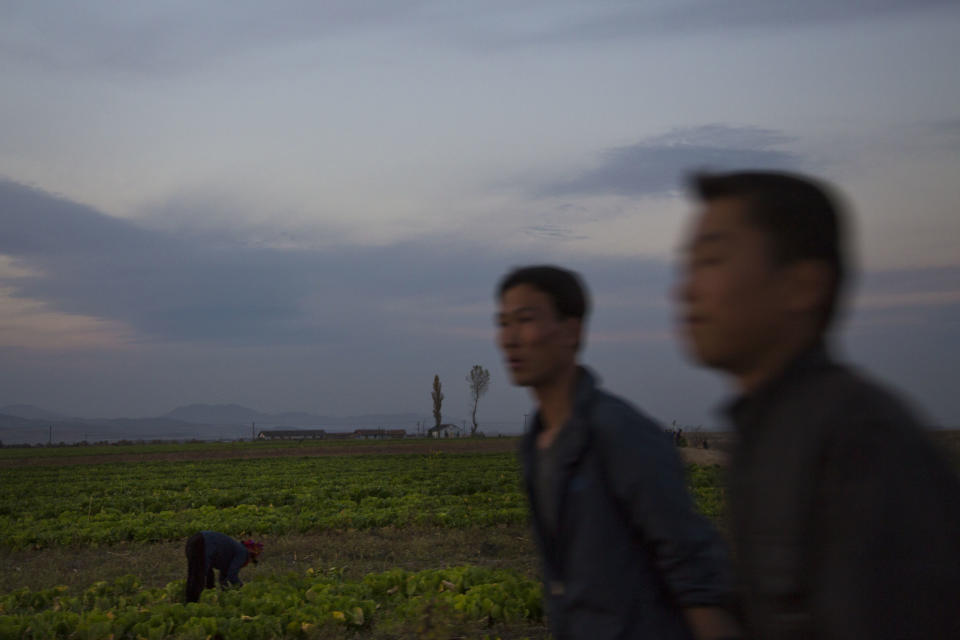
[
  {"x": 444, "y": 431},
  {"x": 367, "y": 434},
  {"x": 292, "y": 434}
]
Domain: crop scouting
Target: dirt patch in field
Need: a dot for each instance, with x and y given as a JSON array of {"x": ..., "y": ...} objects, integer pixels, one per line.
[
  {"x": 354, "y": 553},
  {"x": 703, "y": 456}
]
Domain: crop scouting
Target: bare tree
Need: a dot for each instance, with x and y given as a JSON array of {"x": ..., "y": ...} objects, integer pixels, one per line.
[
  {"x": 479, "y": 380},
  {"x": 437, "y": 396}
]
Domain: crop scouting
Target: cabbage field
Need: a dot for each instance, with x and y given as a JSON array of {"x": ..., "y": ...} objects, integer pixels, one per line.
[
  {"x": 312, "y": 605},
  {"x": 59, "y": 508}
]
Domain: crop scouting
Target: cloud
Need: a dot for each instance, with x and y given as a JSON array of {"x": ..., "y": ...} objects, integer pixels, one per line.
[
  {"x": 202, "y": 320},
  {"x": 165, "y": 285},
  {"x": 553, "y": 232},
  {"x": 656, "y": 166},
  {"x": 757, "y": 13},
  {"x": 946, "y": 131},
  {"x": 177, "y": 37},
  {"x": 952, "y": 125},
  {"x": 529, "y": 23},
  {"x": 207, "y": 320},
  {"x": 908, "y": 298},
  {"x": 172, "y": 286},
  {"x": 33, "y": 325}
]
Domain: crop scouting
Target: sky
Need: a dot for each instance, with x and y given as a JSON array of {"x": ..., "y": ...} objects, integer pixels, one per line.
[{"x": 307, "y": 206}]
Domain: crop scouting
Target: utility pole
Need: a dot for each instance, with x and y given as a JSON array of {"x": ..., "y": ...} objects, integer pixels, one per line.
[{"x": 525, "y": 421}]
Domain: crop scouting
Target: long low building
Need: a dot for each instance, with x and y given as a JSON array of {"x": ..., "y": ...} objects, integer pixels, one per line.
[
  {"x": 321, "y": 434},
  {"x": 379, "y": 433},
  {"x": 292, "y": 434}
]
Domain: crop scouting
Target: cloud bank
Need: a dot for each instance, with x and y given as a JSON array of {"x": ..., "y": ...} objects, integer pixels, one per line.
[{"x": 653, "y": 167}]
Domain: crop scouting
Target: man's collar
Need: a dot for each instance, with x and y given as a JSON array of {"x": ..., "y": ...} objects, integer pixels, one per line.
[
  {"x": 586, "y": 385},
  {"x": 739, "y": 409},
  {"x": 583, "y": 390}
]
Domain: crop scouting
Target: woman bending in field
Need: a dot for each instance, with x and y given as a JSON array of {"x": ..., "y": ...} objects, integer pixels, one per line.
[{"x": 209, "y": 550}]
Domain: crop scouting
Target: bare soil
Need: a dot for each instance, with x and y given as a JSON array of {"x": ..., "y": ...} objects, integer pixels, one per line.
[
  {"x": 354, "y": 552},
  {"x": 703, "y": 456}
]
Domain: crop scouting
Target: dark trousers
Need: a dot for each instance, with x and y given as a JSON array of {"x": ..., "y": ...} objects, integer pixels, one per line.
[{"x": 197, "y": 573}]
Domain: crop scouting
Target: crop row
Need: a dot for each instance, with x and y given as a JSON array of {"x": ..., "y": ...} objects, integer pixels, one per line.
[
  {"x": 314, "y": 604},
  {"x": 167, "y": 500},
  {"x": 104, "y": 504}
]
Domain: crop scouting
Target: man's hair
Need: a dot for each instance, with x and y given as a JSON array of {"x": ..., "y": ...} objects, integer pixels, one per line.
[
  {"x": 565, "y": 288},
  {"x": 803, "y": 218}
]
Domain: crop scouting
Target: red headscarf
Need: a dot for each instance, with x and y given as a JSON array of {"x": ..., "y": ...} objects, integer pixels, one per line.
[{"x": 254, "y": 549}]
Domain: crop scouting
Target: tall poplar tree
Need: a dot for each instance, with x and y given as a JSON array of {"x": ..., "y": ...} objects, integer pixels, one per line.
[
  {"x": 437, "y": 396},
  {"x": 479, "y": 381}
]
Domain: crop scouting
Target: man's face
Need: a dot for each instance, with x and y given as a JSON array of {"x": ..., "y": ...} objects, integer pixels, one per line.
[
  {"x": 731, "y": 297},
  {"x": 537, "y": 344}
]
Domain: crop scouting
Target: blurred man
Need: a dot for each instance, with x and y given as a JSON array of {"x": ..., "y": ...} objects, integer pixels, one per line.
[
  {"x": 209, "y": 550},
  {"x": 845, "y": 519},
  {"x": 624, "y": 555}
]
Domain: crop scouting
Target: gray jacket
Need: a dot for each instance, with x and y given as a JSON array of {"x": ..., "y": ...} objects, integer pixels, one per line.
[
  {"x": 628, "y": 552},
  {"x": 846, "y": 520}
]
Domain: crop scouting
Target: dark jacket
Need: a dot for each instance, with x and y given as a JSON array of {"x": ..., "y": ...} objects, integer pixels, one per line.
[
  {"x": 226, "y": 555},
  {"x": 629, "y": 552},
  {"x": 845, "y": 519}
]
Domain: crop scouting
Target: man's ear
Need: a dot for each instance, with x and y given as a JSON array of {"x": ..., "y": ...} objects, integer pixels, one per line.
[
  {"x": 808, "y": 286},
  {"x": 573, "y": 332}
]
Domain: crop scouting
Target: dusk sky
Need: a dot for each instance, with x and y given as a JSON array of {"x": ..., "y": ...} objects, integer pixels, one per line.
[{"x": 306, "y": 206}]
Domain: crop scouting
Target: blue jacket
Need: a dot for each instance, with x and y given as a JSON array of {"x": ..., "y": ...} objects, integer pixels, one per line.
[
  {"x": 630, "y": 552},
  {"x": 226, "y": 555}
]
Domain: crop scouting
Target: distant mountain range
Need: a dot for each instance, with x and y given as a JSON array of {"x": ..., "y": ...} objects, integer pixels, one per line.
[
  {"x": 21, "y": 423},
  {"x": 30, "y": 412}
]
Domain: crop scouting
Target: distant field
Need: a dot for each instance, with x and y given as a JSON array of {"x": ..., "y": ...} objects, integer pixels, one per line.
[
  {"x": 14, "y": 457},
  {"x": 948, "y": 439},
  {"x": 243, "y": 448}
]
